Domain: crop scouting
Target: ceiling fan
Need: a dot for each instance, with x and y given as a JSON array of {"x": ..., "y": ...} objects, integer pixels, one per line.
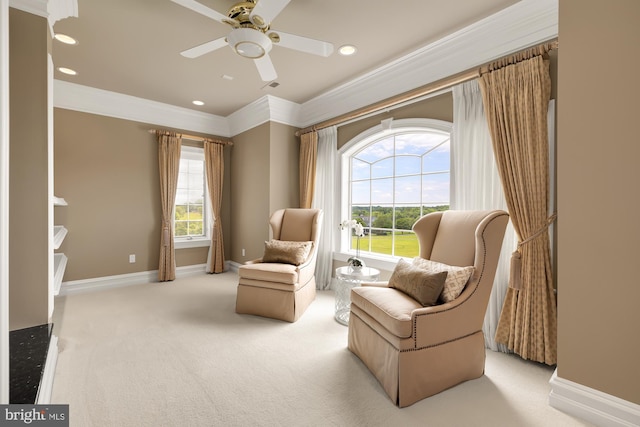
[{"x": 251, "y": 35}]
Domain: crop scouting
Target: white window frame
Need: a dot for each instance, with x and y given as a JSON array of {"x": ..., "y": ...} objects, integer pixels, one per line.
[
  {"x": 195, "y": 153},
  {"x": 342, "y": 251}
]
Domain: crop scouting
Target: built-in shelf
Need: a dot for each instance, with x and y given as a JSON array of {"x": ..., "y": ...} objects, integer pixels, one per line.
[
  {"x": 59, "y": 201},
  {"x": 59, "y": 260},
  {"x": 59, "y": 233},
  {"x": 59, "y": 264}
]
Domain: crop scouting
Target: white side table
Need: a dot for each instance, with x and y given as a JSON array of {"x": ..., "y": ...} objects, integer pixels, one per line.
[{"x": 349, "y": 278}]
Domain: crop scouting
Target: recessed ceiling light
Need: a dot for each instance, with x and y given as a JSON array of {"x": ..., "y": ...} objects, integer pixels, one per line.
[
  {"x": 65, "y": 39},
  {"x": 196, "y": 102},
  {"x": 68, "y": 71},
  {"x": 227, "y": 77},
  {"x": 347, "y": 49}
]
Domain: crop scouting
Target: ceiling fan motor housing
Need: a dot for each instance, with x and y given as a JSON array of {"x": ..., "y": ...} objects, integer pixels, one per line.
[{"x": 241, "y": 12}]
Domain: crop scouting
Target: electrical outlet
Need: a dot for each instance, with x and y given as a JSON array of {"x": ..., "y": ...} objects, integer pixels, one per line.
[
  {"x": 243, "y": 252},
  {"x": 132, "y": 258}
]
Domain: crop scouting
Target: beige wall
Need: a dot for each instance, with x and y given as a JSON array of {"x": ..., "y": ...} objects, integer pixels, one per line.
[
  {"x": 438, "y": 107},
  {"x": 264, "y": 176},
  {"x": 107, "y": 171},
  {"x": 598, "y": 202},
  {"x": 28, "y": 189},
  {"x": 250, "y": 193},
  {"x": 284, "y": 176}
]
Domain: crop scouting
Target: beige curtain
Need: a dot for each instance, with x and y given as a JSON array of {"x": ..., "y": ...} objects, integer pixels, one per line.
[
  {"x": 516, "y": 95},
  {"x": 308, "y": 155},
  {"x": 169, "y": 161},
  {"x": 214, "y": 162}
]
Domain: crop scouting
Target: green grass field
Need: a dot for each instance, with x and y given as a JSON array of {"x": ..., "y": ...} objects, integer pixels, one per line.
[{"x": 406, "y": 244}]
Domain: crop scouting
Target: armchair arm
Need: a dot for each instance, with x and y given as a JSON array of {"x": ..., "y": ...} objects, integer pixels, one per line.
[
  {"x": 253, "y": 261},
  {"x": 307, "y": 269},
  {"x": 448, "y": 321}
]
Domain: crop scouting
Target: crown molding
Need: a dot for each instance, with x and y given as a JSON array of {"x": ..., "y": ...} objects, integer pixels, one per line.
[
  {"x": 526, "y": 23},
  {"x": 86, "y": 99},
  {"x": 268, "y": 108},
  {"x": 53, "y": 10},
  {"x": 34, "y": 7},
  {"x": 284, "y": 111},
  {"x": 249, "y": 116},
  {"x": 61, "y": 9}
]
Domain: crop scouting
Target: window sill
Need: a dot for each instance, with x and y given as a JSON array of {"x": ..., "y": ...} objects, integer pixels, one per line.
[{"x": 192, "y": 243}]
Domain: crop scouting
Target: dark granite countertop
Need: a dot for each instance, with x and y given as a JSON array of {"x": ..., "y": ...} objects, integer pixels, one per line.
[{"x": 28, "y": 352}]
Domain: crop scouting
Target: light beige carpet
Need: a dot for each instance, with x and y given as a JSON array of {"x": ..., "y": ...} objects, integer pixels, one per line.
[{"x": 176, "y": 354}]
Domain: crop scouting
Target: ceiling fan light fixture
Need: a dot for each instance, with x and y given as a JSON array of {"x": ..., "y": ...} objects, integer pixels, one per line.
[
  {"x": 249, "y": 43},
  {"x": 250, "y": 50}
]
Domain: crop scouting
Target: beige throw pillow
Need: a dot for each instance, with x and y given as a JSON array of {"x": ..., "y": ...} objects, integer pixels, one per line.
[
  {"x": 457, "y": 277},
  {"x": 421, "y": 285},
  {"x": 286, "y": 252}
]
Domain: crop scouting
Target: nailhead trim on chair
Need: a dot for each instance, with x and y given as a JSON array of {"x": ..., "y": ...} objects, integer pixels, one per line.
[
  {"x": 417, "y": 348},
  {"x": 439, "y": 344}
]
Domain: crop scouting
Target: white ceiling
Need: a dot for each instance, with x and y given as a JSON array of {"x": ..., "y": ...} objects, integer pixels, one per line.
[{"x": 132, "y": 47}]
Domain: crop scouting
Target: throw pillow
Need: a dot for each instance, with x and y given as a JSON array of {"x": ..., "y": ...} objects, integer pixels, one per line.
[
  {"x": 421, "y": 285},
  {"x": 286, "y": 252},
  {"x": 457, "y": 277}
]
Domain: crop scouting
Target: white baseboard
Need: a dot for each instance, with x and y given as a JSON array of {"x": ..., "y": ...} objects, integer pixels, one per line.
[
  {"x": 233, "y": 266},
  {"x": 46, "y": 382},
  {"x": 121, "y": 280},
  {"x": 594, "y": 406}
]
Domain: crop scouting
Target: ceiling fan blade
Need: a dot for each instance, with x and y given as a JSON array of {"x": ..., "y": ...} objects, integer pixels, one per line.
[
  {"x": 204, "y": 10},
  {"x": 266, "y": 10},
  {"x": 203, "y": 48},
  {"x": 304, "y": 44},
  {"x": 266, "y": 69}
]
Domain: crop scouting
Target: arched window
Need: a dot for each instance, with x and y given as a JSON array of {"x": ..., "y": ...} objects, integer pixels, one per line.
[{"x": 391, "y": 176}]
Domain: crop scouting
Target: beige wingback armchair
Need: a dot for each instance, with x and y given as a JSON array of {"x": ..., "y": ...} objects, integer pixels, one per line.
[
  {"x": 417, "y": 351},
  {"x": 282, "y": 290}
]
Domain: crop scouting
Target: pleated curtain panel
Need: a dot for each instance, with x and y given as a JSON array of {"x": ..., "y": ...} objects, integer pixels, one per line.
[
  {"x": 169, "y": 144},
  {"x": 475, "y": 184},
  {"x": 317, "y": 190},
  {"x": 214, "y": 170},
  {"x": 516, "y": 93}
]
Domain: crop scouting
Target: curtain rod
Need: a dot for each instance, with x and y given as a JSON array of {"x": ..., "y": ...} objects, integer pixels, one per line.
[
  {"x": 416, "y": 93},
  {"x": 192, "y": 137}
]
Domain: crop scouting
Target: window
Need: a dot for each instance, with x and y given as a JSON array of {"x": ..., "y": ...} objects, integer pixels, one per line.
[
  {"x": 391, "y": 178},
  {"x": 190, "y": 215}
]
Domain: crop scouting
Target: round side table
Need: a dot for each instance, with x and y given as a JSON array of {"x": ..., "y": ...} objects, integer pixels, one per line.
[{"x": 349, "y": 278}]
